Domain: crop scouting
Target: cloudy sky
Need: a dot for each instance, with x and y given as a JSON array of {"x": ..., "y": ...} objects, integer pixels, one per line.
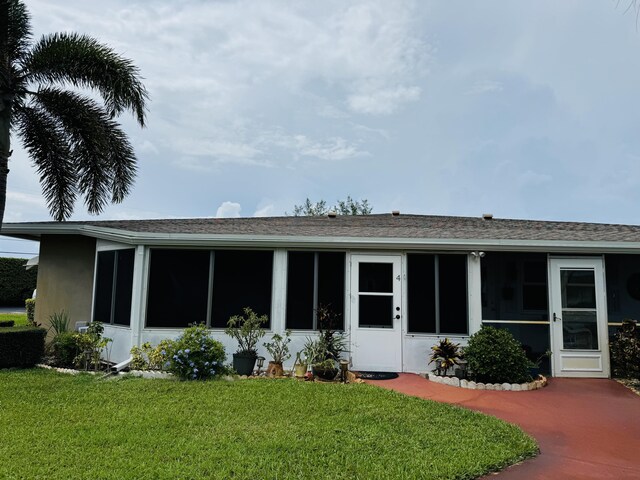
[{"x": 522, "y": 109}]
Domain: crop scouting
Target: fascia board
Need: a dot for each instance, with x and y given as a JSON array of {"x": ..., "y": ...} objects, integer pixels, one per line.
[{"x": 267, "y": 241}]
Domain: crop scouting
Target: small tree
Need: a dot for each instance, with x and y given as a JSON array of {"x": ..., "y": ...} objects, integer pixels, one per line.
[{"x": 342, "y": 207}]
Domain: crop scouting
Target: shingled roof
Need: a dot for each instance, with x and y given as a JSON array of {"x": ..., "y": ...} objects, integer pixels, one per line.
[{"x": 382, "y": 226}]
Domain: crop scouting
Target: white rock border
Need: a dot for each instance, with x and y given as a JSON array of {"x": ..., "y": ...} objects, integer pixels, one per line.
[
  {"x": 541, "y": 382},
  {"x": 68, "y": 371}
]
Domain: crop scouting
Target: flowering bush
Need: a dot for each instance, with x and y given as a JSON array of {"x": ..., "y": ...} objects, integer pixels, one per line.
[{"x": 196, "y": 356}]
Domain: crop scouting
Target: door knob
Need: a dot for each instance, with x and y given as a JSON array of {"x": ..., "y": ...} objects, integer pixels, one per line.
[
  {"x": 397, "y": 317},
  {"x": 397, "y": 309},
  {"x": 555, "y": 317}
]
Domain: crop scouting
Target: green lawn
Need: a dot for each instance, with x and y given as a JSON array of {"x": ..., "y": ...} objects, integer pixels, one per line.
[
  {"x": 19, "y": 318},
  {"x": 57, "y": 426}
]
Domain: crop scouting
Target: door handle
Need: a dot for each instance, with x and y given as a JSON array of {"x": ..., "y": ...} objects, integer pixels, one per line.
[
  {"x": 555, "y": 317},
  {"x": 397, "y": 317}
]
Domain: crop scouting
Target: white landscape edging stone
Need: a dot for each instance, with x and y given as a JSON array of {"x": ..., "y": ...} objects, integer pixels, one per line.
[{"x": 540, "y": 382}]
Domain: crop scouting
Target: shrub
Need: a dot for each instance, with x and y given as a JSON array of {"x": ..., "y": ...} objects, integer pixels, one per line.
[
  {"x": 30, "y": 307},
  {"x": 21, "y": 346},
  {"x": 625, "y": 351},
  {"x": 65, "y": 349},
  {"x": 196, "y": 356},
  {"x": 7, "y": 323},
  {"x": 147, "y": 357},
  {"x": 16, "y": 282},
  {"x": 494, "y": 356}
]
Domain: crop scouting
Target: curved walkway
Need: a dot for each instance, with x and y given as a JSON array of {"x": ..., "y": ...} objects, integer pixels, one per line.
[{"x": 586, "y": 428}]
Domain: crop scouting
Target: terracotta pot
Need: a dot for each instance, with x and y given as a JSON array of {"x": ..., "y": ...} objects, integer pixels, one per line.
[{"x": 275, "y": 370}]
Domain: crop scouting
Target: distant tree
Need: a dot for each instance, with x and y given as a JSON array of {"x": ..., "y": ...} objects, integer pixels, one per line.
[
  {"x": 73, "y": 141},
  {"x": 343, "y": 207}
]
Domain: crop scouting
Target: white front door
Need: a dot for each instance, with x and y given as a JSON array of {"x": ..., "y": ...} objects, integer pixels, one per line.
[
  {"x": 376, "y": 316},
  {"x": 579, "y": 337}
]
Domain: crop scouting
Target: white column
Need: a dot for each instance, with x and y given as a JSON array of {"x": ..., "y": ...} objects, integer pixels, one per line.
[
  {"x": 474, "y": 286},
  {"x": 138, "y": 295},
  {"x": 279, "y": 291}
]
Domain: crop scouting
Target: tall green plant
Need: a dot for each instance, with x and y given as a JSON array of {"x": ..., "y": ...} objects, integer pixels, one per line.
[
  {"x": 59, "y": 322},
  {"x": 278, "y": 347},
  {"x": 75, "y": 144},
  {"x": 247, "y": 330}
]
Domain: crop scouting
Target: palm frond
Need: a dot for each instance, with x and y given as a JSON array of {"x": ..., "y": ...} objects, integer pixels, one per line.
[
  {"x": 104, "y": 158},
  {"x": 15, "y": 29},
  {"x": 84, "y": 62},
  {"x": 48, "y": 146}
]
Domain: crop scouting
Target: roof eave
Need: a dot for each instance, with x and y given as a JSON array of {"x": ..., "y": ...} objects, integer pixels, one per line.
[{"x": 35, "y": 231}]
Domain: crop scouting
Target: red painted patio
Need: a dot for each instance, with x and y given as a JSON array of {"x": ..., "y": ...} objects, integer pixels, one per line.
[{"x": 586, "y": 428}]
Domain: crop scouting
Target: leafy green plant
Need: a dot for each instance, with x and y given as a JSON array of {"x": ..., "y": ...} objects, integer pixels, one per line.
[
  {"x": 247, "y": 330},
  {"x": 494, "y": 356},
  {"x": 91, "y": 346},
  {"x": 30, "y": 307},
  {"x": 445, "y": 354},
  {"x": 625, "y": 351},
  {"x": 332, "y": 341},
  {"x": 148, "y": 357},
  {"x": 195, "y": 355},
  {"x": 59, "y": 322},
  {"x": 278, "y": 347}
]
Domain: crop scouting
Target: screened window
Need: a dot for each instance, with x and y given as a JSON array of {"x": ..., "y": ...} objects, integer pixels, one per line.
[
  {"x": 178, "y": 288},
  {"x": 313, "y": 279},
  {"x": 241, "y": 279},
  {"x": 437, "y": 294},
  {"x": 113, "y": 287}
]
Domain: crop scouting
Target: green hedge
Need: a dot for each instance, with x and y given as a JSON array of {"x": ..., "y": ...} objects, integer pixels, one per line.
[
  {"x": 21, "y": 346},
  {"x": 16, "y": 283}
]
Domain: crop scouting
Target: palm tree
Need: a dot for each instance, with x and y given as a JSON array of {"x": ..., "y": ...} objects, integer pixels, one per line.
[{"x": 76, "y": 146}]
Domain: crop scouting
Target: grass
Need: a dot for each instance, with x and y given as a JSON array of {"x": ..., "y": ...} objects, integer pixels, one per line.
[
  {"x": 19, "y": 318},
  {"x": 57, "y": 426}
]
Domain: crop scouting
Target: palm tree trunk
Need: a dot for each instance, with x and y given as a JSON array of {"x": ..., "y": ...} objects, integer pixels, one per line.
[{"x": 5, "y": 150}]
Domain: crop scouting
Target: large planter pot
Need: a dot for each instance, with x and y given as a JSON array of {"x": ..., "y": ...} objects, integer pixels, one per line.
[
  {"x": 243, "y": 363},
  {"x": 325, "y": 373}
]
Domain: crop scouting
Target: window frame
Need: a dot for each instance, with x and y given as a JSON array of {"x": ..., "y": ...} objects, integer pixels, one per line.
[
  {"x": 315, "y": 301},
  {"x": 436, "y": 274},
  {"x": 210, "y": 284},
  {"x": 114, "y": 280}
]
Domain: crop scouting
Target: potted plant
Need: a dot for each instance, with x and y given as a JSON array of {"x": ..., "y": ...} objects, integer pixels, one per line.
[
  {"x": 300, "y": 366},
  {"x": 445, "y": 354},
  {"x": 535, "y": 369},
  {"x": 247, "y": 330},
  {"x": 324, "y": 352},
  {"x": 278, "y": 348}
]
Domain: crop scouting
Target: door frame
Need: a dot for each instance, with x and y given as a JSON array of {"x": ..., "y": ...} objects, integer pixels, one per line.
[
  {"x": 391, "y": 338},
  {"x": 561, "y": 358}
]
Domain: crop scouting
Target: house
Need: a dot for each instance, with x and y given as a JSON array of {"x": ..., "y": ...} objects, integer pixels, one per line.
[{"x": 398, "y": 282}]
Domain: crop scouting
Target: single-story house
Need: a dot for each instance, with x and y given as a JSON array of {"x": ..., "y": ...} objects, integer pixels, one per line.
[{"x": 398, "y": 282}]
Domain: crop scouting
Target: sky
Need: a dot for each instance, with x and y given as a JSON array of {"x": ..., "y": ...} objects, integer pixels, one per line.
[{"x": 521, "y": 109}]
